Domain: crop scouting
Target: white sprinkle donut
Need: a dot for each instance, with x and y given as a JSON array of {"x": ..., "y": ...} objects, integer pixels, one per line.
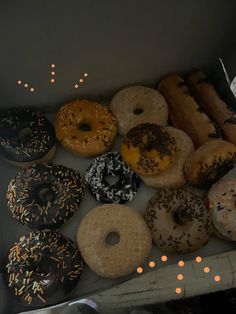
[
  {"x": 131, "y": 249},
  {"x": 138, "y": 104},
  {"x": 173, "y": 176},
  {"x": 178, "y": 220},
  {"x": 222, "y": 200}
]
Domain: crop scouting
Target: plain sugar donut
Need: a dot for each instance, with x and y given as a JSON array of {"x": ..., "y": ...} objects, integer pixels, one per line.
[
  {"x": 173, "y": 176},
  {"x": 131, "y": 250},
  {"x": 134, "y": 105},
  {"x": 222, "y": 200},
  {"x": 178, "y": 220}
]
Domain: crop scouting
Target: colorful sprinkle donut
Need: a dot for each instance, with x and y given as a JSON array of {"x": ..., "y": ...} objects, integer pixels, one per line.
[
  {"x": 111, "y": 164},
  {"x": 43, "y": 268},
  {"x": 26, "y": 137},
  {"x": 45, "y": 195}
]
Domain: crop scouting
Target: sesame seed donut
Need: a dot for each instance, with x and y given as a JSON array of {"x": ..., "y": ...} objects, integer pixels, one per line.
[
  {"x": 111, "y": 164},
  {"x": 222, "y": 200},
  {"x": 96, "y": 235},
  {"x": 134, "y": 105},
  {"x": 173, "y": 176},
  {"x": 178, "y": 220},
  {"x": 26, "y": 137},
  {"x": 148, "y": 149},
  {"x": 210, "y": 162},
  {"x": 85, "y": 127},
  {"x": 43, "y": 268},
  {"x": 45, "y": 195}
]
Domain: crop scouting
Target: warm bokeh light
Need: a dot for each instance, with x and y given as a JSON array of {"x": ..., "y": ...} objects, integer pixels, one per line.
[
  {"x": 53, "y": 73},
  {"x": 19, "y": 82},
  {"x": 139, "y": 270},
  {"x": 178, "y": 290},
  {"x": 52, "y": 65},
  {"x": 164, "y": 258},
  {"x": 81, "y": 80},
  {"x": 76, "y": 86},
  {"x": 52, "y": 80},
  {"x": 206, "y": 269},
  {"x": 180, "y": 277},
  {"x": 26, "y": 85},
  {"x": 181, "y": 263},
  {"x": 198, "y": 259},
  {"x": 32, "y": 89},
  {"x": 217, "y": 278},
  {"x": 85, "y": 74},
  {"x": 152, "y": 264}
]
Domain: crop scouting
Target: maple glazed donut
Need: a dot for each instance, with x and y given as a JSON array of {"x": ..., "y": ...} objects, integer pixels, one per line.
[
  {"x": 222, "y": 200},
  {"x": 43, "y": 268},
  {"x": 134, "y": 105},
  {"x": 118, "y": 256},
  {"x": 178, "y": 220},
  {"x": 111, "y": 164},
  {"x": 85, "y": 127},
  {"x": 26, "y": 137},
  {"x": 45, "y": 195},
  {"x": 148, "y": 149}
]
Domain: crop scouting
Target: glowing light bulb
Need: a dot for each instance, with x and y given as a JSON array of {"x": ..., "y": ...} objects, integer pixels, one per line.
[
  {"x": 81, "y": 80},
  {"x": 139, "y": 270},
  {"x": 181, "y": 263},
  {"x": 76, "y": 86},
  {"x": 180, "y": 277},
  {"x": 217, "y": 278},
  {"x": 85, "y": 74},
  {"x": 198, "y": 259},
  {"x": 53, "y": 65},
  {"x": 32, "y": 89},
  {"x": 53, "y": 73},
  {"x": 52, "y": 80},
  {"x": 178, "y": 290},
  {"x": 152, "y": 264},
  {"x": 19, "y": 82},
  {"x": 206, "y": 270},
  {"x": 26, "y": 85},
  {"x": 164, "y": 258}
]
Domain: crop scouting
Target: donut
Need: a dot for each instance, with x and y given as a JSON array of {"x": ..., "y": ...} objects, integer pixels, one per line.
[
  {"x": 113, "y": 240},
  {"x": 148, "y": 149},
  {"x": 26, "y": 137},
  {"x": 134, "y": 105},
  {"x": 111, "y": 164},
  {"x": 178, "y": 220},
  {"x": 222, "y": 200},
  {"x": 43, "y": 268},
  {"x": 85, "y": 128},
  {"x": 210, "y": 162},
  {"x": 45, "y": 195},
  {"x": 173, "y": 176}
]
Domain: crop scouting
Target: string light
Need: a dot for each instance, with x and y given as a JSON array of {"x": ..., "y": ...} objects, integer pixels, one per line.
[
  {"x": 86, "y": 74},
  {"x": 178, "y": 290},
  {"x": 76, "y": 86},
  {"x": 26, "y": 85},
  {"x": 52, "y": 80},
  {"x": 19, "y": 82},
  {"x": 53, "y": 65},
  {"x": 164, "y": 258},
  {"x": 180, "y": 277},
  {"x": 206, "y": 270},
  {"x": 81, "y": 80},
  {"x": 53, "y": 72},
  {"x": 139, "y": 270},
  {"x": 32, "y": 89},
  {"x": 198, "y": 259},
  {"x": 181, "y": 263},
  {"x": 152, "y": 264},
  {"x": 217, "y": 278}
]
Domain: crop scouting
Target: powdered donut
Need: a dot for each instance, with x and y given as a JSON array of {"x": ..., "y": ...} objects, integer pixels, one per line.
[
  {"x": 173, "y": 176},
  {"x": 122, "y": 258},
  {"x": 222, "y": 200},
  {"x": 178, "y": 220},
  {"x": 134, "y": 105}
]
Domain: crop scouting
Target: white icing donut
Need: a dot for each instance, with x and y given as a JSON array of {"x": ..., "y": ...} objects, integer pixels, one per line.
[
  {"x": 134, "y": 105},
  {"x": 222, "y": 202}
]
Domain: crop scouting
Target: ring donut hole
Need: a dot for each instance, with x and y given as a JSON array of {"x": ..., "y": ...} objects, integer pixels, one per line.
[
  {"x": 44, "y": 266},
  {"x": 111, "y": 179},
  {"x": 138, "y": 110},
  {"x": 84, "y": 126},
  {"x": 181, "y": 216},
  {"x": 112, "y": 238},
  {"x": 25, "y": 135},
  {"x": 44, "y": 193}
]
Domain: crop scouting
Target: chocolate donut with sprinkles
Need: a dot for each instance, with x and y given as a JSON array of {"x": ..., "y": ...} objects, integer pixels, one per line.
[
  {"x": 43, "y": 268},
  {"x": 178, "y": 220},
  {"x": 26, "y": 137},
  {"x": 111, "y": 164},
  {"x": 45, "y": 195}
]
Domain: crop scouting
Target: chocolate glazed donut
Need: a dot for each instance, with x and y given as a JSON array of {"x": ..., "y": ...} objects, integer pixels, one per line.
[
  {"x": 43, "y": 268},
  {"x": 26, "y": 136},
  {"x": 45, "y": 195}
]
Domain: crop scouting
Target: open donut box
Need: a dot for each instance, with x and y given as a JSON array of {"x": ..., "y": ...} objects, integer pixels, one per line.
[{"x": 107, "y": 73}]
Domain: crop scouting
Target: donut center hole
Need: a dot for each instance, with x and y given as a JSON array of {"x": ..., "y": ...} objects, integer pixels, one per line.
[
  {"x": 181, "y": 216},
  {"x": 112, "y": 238},
  {"x": 84, "y": 127},
  {"x": 25, "y": 135},
  {"x": 138, "y": 111},
  {"x": 111, "y": 179},
  {"x": 45, "y": 193}
]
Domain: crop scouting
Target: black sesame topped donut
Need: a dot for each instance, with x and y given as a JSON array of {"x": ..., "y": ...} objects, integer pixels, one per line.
[
  {"x": 45, "y": 195},
  {"x": 111, "y": 164},
  {"x": 26, "y": 136},
  {"x": 42, "y": 268}
]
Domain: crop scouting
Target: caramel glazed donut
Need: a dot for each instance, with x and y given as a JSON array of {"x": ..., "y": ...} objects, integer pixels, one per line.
[
  {"x": 26, "y": 137},
  {"x": 85, "y": 127},
  {"x": 43, "y": 268},
  {"x": 178, "y": 220},
  {"x": 148, "y": 149},
  {"x": 45, "y": 195},
  {"x": 222, "y": 198},
  {"x": 105, "y": 256},
  {"x": 111, "y": 164},
  {"x": 134, "y": 105}
]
